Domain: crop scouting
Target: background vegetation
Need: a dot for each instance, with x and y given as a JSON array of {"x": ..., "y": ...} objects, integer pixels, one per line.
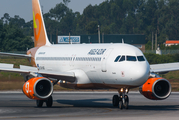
[
  {"x": 114, "y": 17},
  {"x": 156, "y": 59}
]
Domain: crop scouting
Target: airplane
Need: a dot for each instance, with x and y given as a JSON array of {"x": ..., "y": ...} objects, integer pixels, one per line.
[{"x": 117, "y": 66}]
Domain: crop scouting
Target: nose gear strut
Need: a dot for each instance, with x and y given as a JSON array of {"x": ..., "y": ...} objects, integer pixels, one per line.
[{"x": 121, "y": 101}]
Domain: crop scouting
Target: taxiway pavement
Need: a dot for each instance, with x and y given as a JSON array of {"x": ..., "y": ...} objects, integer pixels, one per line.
[{"x": 87, "y": 106}]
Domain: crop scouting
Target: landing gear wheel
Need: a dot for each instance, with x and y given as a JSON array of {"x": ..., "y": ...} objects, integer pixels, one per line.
[
  {"x": 126, "y": 102},
  {"x": 115, "y": 100},
  {"x": 120, "y": 103},
  {"x": 39, "y": 103},
  {"x": 49, "y": 101}
]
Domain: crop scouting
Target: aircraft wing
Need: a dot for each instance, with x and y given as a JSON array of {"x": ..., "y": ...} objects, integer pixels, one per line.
[
  {"x": 15, "y": 55},
  {"x": 164, "y": 68},
  {"x": 67, "y": 76}
]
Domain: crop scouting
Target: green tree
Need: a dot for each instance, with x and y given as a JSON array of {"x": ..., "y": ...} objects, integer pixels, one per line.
[
  {"x": 92, "y": 27},
  {"x": 113, "y": 16},
  {"x": 66, "y": 1},
  {"x": 1, "y": 33},
  {"x": 13, "y": 39}
]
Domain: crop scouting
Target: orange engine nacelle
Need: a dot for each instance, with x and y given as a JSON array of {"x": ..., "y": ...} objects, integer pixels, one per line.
[
  {"x": 156, "y": 88},
  {"x": 38, "y": 88}
]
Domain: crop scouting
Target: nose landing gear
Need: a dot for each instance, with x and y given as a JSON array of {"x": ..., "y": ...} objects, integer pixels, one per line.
[{"x": 121, "y": 101}]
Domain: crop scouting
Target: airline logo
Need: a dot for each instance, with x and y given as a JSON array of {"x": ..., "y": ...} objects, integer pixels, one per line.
[
  {"x": 96, "y": 51},
  {"x": 27, "y": 87},
  {"x": 37, "y": 29}
]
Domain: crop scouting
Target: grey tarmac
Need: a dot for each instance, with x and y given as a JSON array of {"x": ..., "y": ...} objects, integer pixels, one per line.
[{"x": 87, "y": 106}]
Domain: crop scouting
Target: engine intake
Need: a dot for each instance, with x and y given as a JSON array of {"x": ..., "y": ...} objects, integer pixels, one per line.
[
  {"x": 38, "y": 88},
  {"x": 156, "y": 89}
]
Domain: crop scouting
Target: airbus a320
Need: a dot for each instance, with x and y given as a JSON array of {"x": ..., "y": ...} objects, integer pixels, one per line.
[{"x": 87, "y": 66}]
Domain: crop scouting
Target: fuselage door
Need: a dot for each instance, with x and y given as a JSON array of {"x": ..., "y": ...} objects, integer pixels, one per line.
[{"x": 104, "y": 60}]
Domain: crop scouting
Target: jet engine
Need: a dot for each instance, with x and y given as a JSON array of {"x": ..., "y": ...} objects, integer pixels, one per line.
[
  {"x": 38, "y": 88},
  {"x": 156, "y": 88}
]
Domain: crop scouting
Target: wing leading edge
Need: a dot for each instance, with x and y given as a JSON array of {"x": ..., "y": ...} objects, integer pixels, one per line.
[{"x": 163, "y": 68}]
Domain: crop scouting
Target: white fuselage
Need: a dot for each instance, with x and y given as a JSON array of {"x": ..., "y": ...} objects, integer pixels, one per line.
[{"x": 96, "y": 64}]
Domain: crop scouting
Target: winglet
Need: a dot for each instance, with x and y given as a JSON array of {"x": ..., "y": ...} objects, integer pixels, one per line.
[{"x": 40, "y": 35}]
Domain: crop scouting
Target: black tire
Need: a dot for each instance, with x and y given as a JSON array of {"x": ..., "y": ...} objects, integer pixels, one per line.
[
  {"x": 115, "y": 100},
  {"x": 39, "y": 103},
  {"x": 126, "y": 104},
  {"x": 120, "y": 103},
  {"x": 49, "y": 102}
]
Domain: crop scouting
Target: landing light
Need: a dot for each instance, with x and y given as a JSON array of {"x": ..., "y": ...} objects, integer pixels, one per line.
[
  {"x": 126, "y": 90},
  {"x": 121, "y": 89}
]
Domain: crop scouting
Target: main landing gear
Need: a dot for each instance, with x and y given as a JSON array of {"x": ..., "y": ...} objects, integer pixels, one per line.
[
  {"x": 49, "y": 102},
  {"x": 121, "y": 101}
]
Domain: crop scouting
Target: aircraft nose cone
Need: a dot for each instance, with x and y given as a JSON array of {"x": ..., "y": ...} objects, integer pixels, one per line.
[{"x": 140, "y": 73}]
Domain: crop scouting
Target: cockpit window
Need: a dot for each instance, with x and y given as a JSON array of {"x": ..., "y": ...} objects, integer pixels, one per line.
[
  {"x": 122, "y": 59},
  {"x": 131, "y": 58},
  {"x": 140, "y": 58},
  {"x": 117, "y": 58}
]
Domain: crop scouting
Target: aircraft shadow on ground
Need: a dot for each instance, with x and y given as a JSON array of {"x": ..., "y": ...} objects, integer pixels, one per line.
[
  {"x": 94, "y": 103},
  {"x": 100, "y": 103},
  {"x": 90, "y": 103},
  {"x": 155, "y": 107}
]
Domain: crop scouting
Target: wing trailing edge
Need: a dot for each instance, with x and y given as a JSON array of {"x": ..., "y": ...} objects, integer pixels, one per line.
[
  {"x": 15, "y": 55},
  {"x": 28, "y": 70}
]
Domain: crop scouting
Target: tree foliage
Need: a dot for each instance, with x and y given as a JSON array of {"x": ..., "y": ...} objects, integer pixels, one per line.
[
  {"x": 156, "y": 59},
  {"x": 113, "y": 16},
  {"x": 12, "y": 36},
  {"x": 66, "y": 1},
  {"x": 122, "y": 17},
  {"x": 91, "y": 27}
]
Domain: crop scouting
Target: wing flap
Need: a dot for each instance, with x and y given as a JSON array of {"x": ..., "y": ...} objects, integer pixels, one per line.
[
  {"x": 29, "y": 68},
  {"x": 16, "y": 70},
  {"x": 3, "y": 65}
]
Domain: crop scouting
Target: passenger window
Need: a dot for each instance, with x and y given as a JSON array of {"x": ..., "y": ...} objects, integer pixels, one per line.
[
  {"x": 117, "y": 58},
  {"x": 140, "y": 58},
  {"x": 122, "y": 59},
  {"x": 131, "y": 58}
]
